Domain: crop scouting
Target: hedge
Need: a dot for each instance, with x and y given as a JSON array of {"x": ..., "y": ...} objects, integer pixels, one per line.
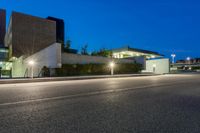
[
  {"x": 96, "y": 69},
  {"x": 196, "y": 68}
]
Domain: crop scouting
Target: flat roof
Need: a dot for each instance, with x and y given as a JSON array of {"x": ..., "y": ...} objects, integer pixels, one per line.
[{"x": 136, "y": 50}]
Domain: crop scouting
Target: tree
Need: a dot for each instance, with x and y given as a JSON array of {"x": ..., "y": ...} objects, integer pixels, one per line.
[
  {"x": 84, "y": 50},
  {"x": 102, "y": 52},
  {"x": 94, "y": 53},
  {"x": 68, "y": 44},
  {"x": 62, "y": 44}
]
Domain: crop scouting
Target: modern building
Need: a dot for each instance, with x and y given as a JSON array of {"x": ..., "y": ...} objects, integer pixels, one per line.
[
  {"x": 60, "y": 29},
  {"x": 128, "y": 52},
  {"x": 40, "y": 40},
  {"x": 191, "y": 61},
  {"x": 187, "y": 64},
  {"x": 4, "y": 54},
  {"x": 28, "y": 34},
  {"x": 2, "y": 26}
]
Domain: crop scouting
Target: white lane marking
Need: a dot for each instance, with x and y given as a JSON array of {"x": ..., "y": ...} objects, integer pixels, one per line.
[{"x": 80, "y": 95}]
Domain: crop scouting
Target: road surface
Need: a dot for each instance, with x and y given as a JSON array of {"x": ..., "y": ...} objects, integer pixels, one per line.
[{"x": 157, "y": 104}]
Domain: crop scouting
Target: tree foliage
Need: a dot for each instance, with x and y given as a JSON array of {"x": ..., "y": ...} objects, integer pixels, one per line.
[
  {"x": 102, "y": 52},
  {"x": 84, "y": 50}
]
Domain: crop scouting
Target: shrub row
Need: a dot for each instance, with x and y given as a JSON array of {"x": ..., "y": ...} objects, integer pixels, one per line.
[
  {"x": 196, "y": 68},
  {"x": 96, "y": 69}
]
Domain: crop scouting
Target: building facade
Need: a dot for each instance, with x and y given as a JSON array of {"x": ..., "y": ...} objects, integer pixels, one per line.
[
  {"x": 40, "y": 41},
  {"x": 60, "y": 29},
  {"x": 2, "y": 26},
  {"x": 28, "y": 34},
  {"x": 191, "y": 61}
]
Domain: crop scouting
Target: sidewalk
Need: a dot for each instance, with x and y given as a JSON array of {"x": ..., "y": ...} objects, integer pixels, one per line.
[{"x": 49, "y": 79}]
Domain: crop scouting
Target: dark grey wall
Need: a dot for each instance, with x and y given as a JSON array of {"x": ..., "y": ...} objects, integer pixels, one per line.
[
  {"x": 2, "y": 26},
  {"x": 60, "y": 29},
  {"x": 31, "y": 34}
]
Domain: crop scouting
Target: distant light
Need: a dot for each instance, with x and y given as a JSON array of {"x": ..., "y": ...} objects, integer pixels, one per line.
[
  {"x": 188, "y": 58},
  {"x": 154, "y": 65},
  {"x": 31, "y": 62},
  {"x": 153, "y": 56},
  {"x": 112, "y": 64}
]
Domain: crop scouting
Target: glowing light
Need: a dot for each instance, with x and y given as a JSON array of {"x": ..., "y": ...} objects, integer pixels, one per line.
[
  {"x": 173, "y": 55},
  {"x": 112, "y": 64},
  {"x": 188, "y": 58},
  {"x": 31, "y": 62},
  {"x": 154, "y": 65},
  {"x": 173, "y": 58}
]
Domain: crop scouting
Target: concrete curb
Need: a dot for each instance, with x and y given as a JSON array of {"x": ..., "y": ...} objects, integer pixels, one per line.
[{"x": 51, "y": 79}]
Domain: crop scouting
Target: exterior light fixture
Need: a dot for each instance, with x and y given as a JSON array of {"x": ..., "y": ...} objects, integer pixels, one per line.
[
  {"x": 112, "y": 65},
  {"x": 31, "y": 62},
  {"x": 173, "y": 58}
]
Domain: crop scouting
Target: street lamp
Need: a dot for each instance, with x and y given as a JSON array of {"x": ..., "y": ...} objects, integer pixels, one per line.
[
  {"x": 31, "y": 63},
  {"x": 112, "y": 65},
  {"x": 173, "y": 57},
  {"x": 188, "y": 58}
]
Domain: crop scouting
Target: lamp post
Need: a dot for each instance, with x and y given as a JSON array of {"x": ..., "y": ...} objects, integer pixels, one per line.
[
  {"x": 31, "y": 63},
  {"x": 112, "y": 65},
  {"x": 173, "y": 58}
]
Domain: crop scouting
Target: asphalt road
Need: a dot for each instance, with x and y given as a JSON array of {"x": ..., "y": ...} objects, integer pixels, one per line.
[{"x": 157, "y": 104}]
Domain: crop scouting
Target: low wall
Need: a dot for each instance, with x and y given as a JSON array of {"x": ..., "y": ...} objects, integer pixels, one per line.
[{"x": 68, "y": 58}]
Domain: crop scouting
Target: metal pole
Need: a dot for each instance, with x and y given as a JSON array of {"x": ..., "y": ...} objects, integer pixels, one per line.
[
  {"x": 112, "y": 71},
  {"x": 32, "y": 72}
]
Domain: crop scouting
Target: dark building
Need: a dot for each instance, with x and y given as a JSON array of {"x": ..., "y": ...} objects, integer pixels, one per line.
[
  {"x": 191, "y": 61},
  {"x": 3, "y": 54},
  {"x": 60, "y": 29},
  {"x": 28, "y": 34},
  {"x": 2, "y": 26}
]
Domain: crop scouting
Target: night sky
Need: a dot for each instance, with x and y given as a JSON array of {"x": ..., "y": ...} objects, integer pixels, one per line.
[{"x": 164, "y": 26}]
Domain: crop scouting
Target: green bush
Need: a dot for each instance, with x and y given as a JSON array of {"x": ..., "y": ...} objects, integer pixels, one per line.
[
  {"x": 96, "y": 69},
  {"x": 196, "y": 68},
  {"x": 5, "y": 72}
]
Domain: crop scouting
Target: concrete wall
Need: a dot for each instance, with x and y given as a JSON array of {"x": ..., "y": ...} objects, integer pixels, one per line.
[
  {"x": 49, "y": 57},
  {"x": 68, "y": 58},
  {"x": 158, "y": 66},
  {"x": 139, "y": 59},
  {"x": 18, "y": 67}
]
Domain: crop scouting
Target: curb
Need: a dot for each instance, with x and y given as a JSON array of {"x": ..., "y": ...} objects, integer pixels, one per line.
[{"x": 14, "y": 81}]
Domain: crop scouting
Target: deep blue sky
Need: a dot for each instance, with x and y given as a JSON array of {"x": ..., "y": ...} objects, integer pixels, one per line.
[{"x": 165, "y": 26}]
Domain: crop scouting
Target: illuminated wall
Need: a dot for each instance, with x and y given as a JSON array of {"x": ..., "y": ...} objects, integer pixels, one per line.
[{"x": 158, "y": 66}]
